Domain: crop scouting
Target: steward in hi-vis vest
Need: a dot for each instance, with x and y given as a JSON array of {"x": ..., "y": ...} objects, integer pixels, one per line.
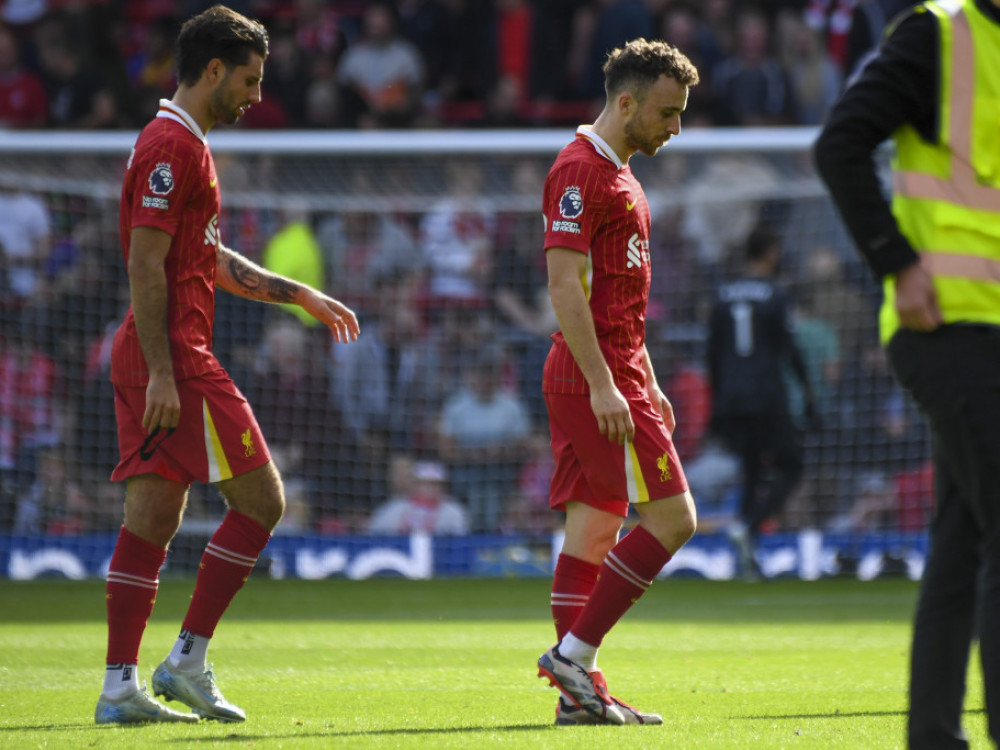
[
  {"x": 934, "y": 88},
  {"x": 946, "y": 192}
]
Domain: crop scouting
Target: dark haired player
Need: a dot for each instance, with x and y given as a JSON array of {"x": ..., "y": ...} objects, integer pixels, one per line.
[
  {"x": 180, "y": 417},
  {"x": 610, "y": 422}
]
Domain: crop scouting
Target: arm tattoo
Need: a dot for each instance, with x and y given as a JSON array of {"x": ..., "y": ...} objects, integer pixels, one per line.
[
  {"x": 254, "y": 282},
  {"x": 281, "y": 290},
  {"x": 244, "y": 274}
]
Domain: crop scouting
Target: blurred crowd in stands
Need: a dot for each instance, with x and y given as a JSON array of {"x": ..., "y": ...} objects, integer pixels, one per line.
[
  {"x": 433, "y": 420},
  {"x": 445, "y": 380},
  {"x": 431, "y": 63}
]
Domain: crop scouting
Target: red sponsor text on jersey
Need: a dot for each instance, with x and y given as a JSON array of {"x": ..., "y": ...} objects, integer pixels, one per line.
[
  {"x": 171, "y": 184},
  {"x": 595, "y": 205}
]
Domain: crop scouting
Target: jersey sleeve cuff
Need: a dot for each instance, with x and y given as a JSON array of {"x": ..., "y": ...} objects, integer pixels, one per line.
[
  {"x": 568, "y": 246},
  {"x": 145, "y": 221}
]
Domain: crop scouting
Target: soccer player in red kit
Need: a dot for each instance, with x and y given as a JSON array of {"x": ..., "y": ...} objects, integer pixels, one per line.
[
  {"x": 610, "y": 423},
  {"x": 180, "y": 417}
]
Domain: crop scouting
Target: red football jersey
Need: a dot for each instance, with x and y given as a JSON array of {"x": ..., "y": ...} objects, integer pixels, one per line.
[
  {"x": 171, "y": 184},
  {"x": 594, "y": 204}
]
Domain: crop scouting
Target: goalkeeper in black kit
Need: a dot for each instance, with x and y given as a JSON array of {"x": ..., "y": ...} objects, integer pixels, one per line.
[{"x": 750, "y": 344}]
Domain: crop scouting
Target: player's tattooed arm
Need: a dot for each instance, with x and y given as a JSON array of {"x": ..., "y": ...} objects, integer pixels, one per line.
[{"x": 243, "y": 277}]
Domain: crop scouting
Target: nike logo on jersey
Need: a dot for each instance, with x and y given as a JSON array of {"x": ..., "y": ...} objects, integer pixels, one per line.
[
  {"x": 630, "y": 206},
  {"x": 212, "y": 183}
]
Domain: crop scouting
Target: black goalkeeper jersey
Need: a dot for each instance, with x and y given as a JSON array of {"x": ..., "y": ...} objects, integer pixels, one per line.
[{"x": 750, "y": 341}]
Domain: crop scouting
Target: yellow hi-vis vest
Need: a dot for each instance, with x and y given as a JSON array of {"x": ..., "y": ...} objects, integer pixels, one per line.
[{"x": 946, "y": 195}]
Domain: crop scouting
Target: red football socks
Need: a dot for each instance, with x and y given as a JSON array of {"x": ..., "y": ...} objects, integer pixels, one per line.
[
  {"x": 225, "y": 566},
  {"x": 130, "y": 591},
  {"x": 572, "y": 583},
  {"x": 627, "y": 571}
]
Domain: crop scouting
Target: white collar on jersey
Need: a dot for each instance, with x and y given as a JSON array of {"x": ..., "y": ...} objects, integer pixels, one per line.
[
  {"x": 171, "y": 111},
  {"x": 600, "y": 145}
]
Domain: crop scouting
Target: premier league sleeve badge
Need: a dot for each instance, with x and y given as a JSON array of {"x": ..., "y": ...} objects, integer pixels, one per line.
[
  {"x": 571, "y": 203},
  {"x": 161, "y": 179}
]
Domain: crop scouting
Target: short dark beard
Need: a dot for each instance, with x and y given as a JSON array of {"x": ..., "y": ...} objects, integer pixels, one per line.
[
  {"x": 634, "y": 144},
  {"x": 223, "y": 113}
]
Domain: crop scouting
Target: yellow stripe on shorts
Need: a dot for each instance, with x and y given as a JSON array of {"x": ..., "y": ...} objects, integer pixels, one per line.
[
  {"x": 637, "y": 490},
  {"x": 218, "y": 465}
]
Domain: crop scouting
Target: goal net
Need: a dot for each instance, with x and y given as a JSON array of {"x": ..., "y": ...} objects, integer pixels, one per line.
[{"x": 432, "y": 422}]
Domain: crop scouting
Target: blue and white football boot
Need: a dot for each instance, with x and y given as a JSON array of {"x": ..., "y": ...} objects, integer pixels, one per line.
[
  {"x": 137, "y": 708},
  {"x": 196, "y": 689}
]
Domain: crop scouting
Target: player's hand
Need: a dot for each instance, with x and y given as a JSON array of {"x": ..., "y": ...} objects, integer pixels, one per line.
[
  {"x": 163, "y": 404},
  {"x": 614, "y": 418},
  {"x": 336, "y": 316},
  {"x": 666, "y": 410},
  {"x": 916, "y": 300}
]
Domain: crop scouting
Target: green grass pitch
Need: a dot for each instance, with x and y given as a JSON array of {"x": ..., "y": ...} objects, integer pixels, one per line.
[{"x": 450, "y": 663}]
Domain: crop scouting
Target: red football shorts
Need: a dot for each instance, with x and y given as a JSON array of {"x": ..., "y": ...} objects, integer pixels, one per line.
[
  {"x": 593, "y": 470},
  {"x": 218, "y": 437}
]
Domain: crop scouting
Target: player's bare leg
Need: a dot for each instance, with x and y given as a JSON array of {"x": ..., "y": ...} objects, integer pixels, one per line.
[
  {"x": 590, "y": 532},
  {"x": 154, "y": 507},
  {"x": 258, "y": 494},
  {"x": 256, "y": 501},
  {"x": 672, "y": 520}
]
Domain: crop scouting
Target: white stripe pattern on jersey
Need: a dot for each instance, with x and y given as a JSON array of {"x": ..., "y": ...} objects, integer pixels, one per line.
[
  {"x": 626, "y": 572},
  {"x": 115, "y": 576},
  {"x": 230, "y": 556},
  {"x": 569, "y": 600}
]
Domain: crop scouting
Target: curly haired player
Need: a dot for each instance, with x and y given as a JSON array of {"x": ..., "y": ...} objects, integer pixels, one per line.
[{"x": 610, "y": 422}]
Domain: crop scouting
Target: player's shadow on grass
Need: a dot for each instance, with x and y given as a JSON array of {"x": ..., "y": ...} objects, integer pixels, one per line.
[
  {"x": 840, "y": 714},
  {"x": 364, "y": 733},
  {"x": 47, "y": 727}
]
